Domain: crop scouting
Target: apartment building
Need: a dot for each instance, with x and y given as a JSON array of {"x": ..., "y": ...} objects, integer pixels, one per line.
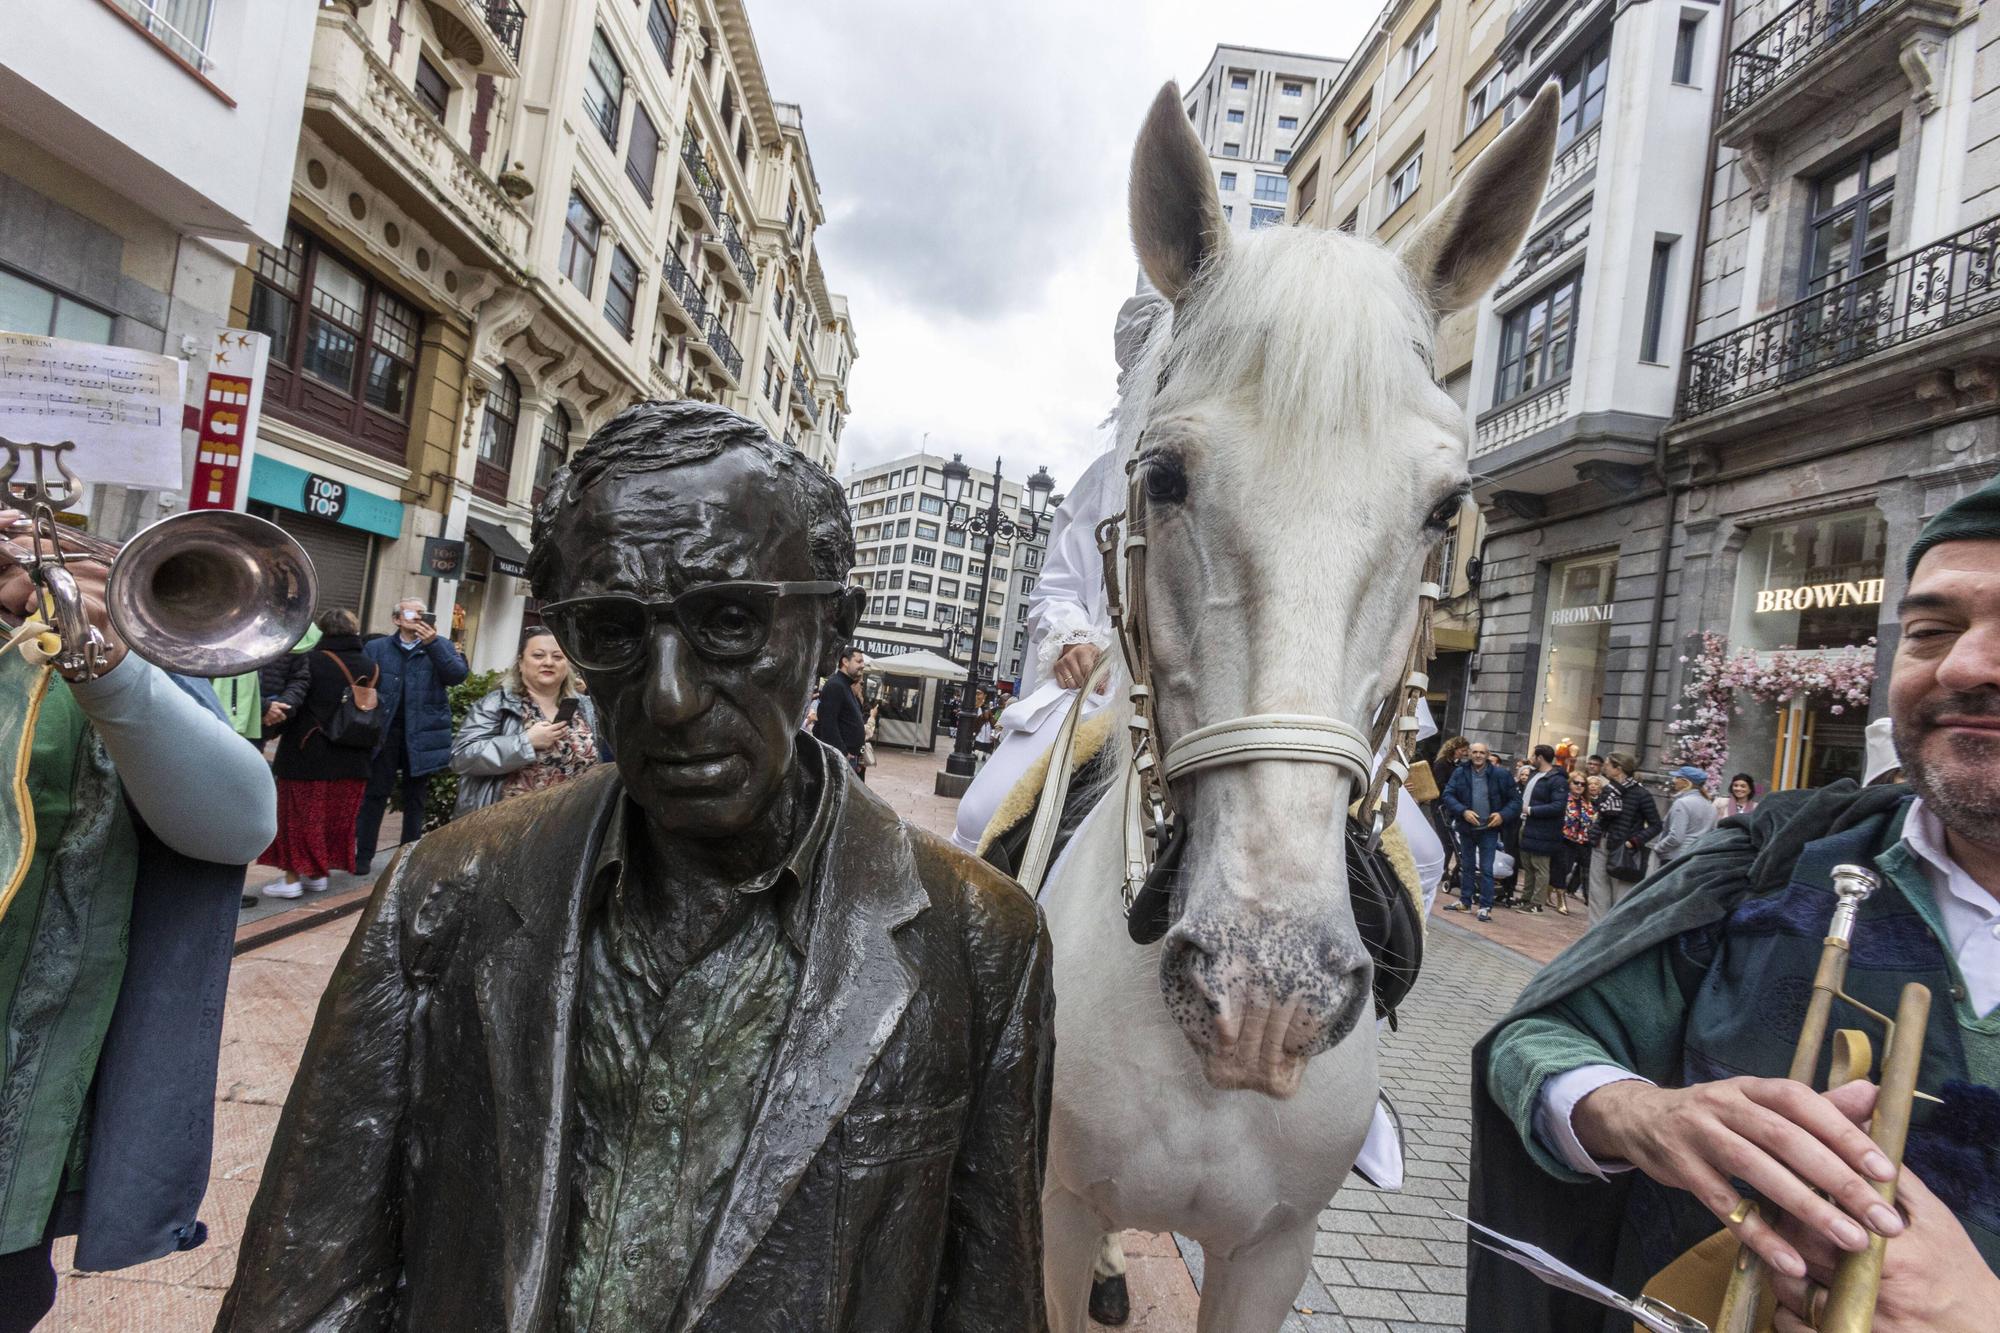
[
  {"x": 144, "y": 147},
  {"x": 1412, "y": 107},
  {"x": 1249, "y": 107},
  {"x": 507, "y": 223},
  {"x": 1839, "y": 386},
  {"x": 1576, "y": 360},
  {"x": 924, "y": 576}
]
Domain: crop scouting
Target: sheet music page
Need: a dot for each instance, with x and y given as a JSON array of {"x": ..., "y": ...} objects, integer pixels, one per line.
[{"x": 122, "y": 407}]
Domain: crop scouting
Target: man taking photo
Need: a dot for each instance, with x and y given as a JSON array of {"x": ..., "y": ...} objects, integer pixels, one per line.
[
  {"x": 840, "y": 723},
  {"x": 1633, "y": 1101}
]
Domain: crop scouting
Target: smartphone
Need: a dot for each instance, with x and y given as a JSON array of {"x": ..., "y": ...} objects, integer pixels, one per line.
[
  {"x": 429, "y": 618},
  {"x": 566, "y": 712}
]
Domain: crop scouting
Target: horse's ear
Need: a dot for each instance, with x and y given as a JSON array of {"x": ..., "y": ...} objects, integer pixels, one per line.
[
  {"x": 1177, "y": 222},
  {"x": 1463, "y": 247}
]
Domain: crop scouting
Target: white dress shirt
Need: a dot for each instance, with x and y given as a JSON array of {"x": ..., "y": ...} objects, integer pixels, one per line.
[{"x": 1971, "y": 917}]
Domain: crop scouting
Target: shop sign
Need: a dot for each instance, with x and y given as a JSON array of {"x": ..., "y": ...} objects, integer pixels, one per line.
[
  {"x": 513, "y": 569},
  {"x": 442, "y": 559},
  {"x": 1814, "y": 596},
  {"x": 324, "y": 498},
  {"x": 226, "y": 434},
  {"x": 1601, "y": 614}
]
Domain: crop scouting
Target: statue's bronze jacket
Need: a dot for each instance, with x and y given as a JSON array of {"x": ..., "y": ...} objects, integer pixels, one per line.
[{"x": 420, "y": 1178}]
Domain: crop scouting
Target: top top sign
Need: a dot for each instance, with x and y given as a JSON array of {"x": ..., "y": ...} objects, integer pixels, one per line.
[{"x": 121, "y": 407}]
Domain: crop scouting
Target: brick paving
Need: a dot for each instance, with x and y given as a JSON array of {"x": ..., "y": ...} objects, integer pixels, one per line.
[{"x": 1386, "y": 1262}]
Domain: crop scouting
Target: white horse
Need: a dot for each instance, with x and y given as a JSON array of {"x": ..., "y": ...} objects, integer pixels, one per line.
[{"x": 1298, "y": 463}]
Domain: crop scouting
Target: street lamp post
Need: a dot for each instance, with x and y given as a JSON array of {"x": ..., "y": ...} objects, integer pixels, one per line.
[{"x": 989, "y": 526}]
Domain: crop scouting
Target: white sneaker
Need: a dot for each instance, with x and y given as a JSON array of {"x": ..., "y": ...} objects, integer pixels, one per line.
[
  {"x": 315, "y": 885},
  {"x": 283, "y": 889}
]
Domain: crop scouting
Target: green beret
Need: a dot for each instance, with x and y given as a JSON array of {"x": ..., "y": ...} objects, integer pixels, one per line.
[{"x": 1975, "y": 518}]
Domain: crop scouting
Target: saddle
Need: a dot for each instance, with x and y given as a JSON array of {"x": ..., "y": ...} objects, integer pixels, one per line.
[{"x": 1383, "y": 888}]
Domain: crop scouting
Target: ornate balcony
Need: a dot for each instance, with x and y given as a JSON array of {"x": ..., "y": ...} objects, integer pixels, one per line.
[
  {"x": 1573, "y": 163},
  {"x": 706, "y": 188},
  {"x": 725, "y": 348},
  {"x": 802, "y": 399},
  {"x": 485, "y": 34},
  {"x": 1816, "y": 53},
  {"x": 1938, "y": 287},
  {"x": 1521, "y": 418},
  {"x": 505, "y": 20},
  {"x": 739, "y": 255},
  {"x": 686, "y": 291}
]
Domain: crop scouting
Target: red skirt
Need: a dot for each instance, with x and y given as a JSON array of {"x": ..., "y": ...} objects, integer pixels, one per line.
[{"x": 315, "y": 826}]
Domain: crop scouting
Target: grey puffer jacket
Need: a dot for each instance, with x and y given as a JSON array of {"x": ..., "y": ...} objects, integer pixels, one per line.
[{"x": 493, "y": 743}]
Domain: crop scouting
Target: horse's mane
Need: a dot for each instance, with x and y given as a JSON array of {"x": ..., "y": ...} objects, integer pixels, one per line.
[{"x": 1318, "y": 330}]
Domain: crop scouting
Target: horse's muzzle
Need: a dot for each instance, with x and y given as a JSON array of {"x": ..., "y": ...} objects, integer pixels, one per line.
[{"x": 1257, "y": 997}]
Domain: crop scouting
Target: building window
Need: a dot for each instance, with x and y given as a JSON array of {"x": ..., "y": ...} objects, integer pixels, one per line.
[
  {"x": 1848, "y": 230},
  {"x": 603, "y": 86},
  {"x": 29, "y": 307},
  {"x": 954, "y": 536},
  {"x": 1288, "y": 122},
  {"x": 1686, "y": 39},
  {"x": 1232, "y": 150},
  {"x": 952, "y": 564},
  {"x": 179, "y": 25},
  {"x": 394, "y": 331},
  {"x": 1576, "y": 649},
  {"x": 1265, "y": 217},
  {"x": 621, "y": 292},
  {"x": 1418, "y": 49},
  {"x": 1282, "y": 156},
  {"x": 920, "y": 583},
  {"x": 1271, "y": 188},
  {"x": 1352, "y": 223},
  {"x": 1484, "y": 97},
  {"x": 555, "y": 448},
  {"x": 916, "y": 608},
  {"x": 1309, "y": 191},
  {"x": 1656, "y": 301},
  {"x": 498, "y": 421},
  {"x": 433, "y": 92},
  {"x": 1403, "y": 184},
  {"x": 927, "y": 531},
  {"x": 1538, "y": 340},
  {"x": 923, "y": 555},
  {"x": 1228, "y": 181},
  {"x": 1239, "y": 81},
  {"x": 1292, "y": 89},
  {"x": 660, "y": 27},
  {"x": 642, "y": 153},
  {"x": 903, "y": 527},
  {"x": 930, "y": 504},
  {"x": 1357, "y": 129},
  {"x": 1235, "y": 116},
  {"x": 1228, "y": 212},
  {"x": 1583, "y": 91},
  {"x": 578, "y": 256}
]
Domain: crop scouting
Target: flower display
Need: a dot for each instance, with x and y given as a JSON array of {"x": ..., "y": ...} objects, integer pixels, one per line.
[{"x": 1700, "y": 731}]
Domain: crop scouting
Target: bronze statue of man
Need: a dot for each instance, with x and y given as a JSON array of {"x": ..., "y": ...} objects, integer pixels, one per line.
[{"x": 707, "y": 1040}]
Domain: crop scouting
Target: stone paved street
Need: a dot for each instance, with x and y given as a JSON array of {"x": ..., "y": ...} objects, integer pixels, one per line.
[{"x": 1385, "y": 1261}]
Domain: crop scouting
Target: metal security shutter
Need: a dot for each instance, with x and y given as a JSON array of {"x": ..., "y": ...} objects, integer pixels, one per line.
[{"x": 340, "y": 557}]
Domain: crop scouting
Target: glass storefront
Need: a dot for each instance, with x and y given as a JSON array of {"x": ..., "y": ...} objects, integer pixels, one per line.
[
  {"x": 1810, "y": 584},
  {"x": 1576, "y": 641}
]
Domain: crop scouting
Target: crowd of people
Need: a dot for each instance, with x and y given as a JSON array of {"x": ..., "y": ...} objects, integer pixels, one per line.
[{"x": 1563, "y": 825}]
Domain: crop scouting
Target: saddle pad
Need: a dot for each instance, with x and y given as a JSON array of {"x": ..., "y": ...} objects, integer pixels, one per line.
[{"x": 1092, "y": 734}]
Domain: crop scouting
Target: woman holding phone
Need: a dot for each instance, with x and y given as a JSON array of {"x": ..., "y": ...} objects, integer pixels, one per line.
[{"x": 536, "y": 730}]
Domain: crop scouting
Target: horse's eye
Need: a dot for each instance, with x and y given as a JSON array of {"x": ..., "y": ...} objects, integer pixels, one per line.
[
  {"x": 1166, "y": 479},
  {"x": 1446, "y": 509}
]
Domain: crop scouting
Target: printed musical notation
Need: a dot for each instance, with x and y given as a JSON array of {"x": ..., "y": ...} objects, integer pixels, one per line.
[{"x": 122, "y": 407}]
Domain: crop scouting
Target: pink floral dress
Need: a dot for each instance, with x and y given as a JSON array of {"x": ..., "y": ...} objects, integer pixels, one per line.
[{"x": 568, "y": 757}]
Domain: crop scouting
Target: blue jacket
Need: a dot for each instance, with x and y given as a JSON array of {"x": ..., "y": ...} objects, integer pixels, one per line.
[
  {"x": 1503, "y": 798},
  {"x": 1542, "y": 821},
  {"x": 414, "y": 686}
]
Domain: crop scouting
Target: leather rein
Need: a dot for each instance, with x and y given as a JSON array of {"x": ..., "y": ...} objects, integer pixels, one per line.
[{"x": 1153, "y": 832}]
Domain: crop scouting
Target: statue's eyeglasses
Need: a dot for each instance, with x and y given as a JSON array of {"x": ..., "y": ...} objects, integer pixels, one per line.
[{"x": 725, "y": 622}]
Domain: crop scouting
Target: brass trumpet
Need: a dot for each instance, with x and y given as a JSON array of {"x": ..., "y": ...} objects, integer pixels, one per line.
[
  {"x": 1850, "y": 1301},
  {"x": 204, "y": 593}
]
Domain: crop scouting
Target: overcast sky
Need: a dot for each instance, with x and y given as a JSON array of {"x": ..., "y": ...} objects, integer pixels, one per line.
[{"x": 973, "y": 160}]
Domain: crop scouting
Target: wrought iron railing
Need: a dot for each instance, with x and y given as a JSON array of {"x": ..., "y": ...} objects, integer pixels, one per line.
[
  {"x": 188, "y": 43},
  {"x": 802, "y": 397},
  {"x": 739, "y": 254},
  {"x": 1937, "y": 287},
  {"x": 705, "y": 183},
  {"x": 506, "y": 20},
  {"x": 1781, "y": 47},
  {"x": 685, "y": 288},
  {"x": 725, "y": 347}
]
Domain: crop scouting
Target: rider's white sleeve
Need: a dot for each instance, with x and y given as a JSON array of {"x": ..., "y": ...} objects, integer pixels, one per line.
[{"x": 1068, "y": 605}]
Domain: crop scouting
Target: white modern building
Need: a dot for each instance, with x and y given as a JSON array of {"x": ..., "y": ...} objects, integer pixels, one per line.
[
  {"x": 1248, "y": 106},
  {"x": 145, "y": 145}
]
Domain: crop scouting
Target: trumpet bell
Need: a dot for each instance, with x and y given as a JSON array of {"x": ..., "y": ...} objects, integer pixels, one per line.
[{"x": 211, "y": 592}]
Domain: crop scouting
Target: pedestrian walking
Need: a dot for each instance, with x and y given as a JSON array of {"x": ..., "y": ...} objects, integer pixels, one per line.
[
  {"x": 1739, "y": 799},
  {"x": 1480, "y": 798},
  {"x": 1449, "y": 756},
  {"x": 1627, "y": 820},
  {"x": 534, "y": 730},
  {"x": 1689, "y": 814},
  {"x": 840, "y": 723},
  {"x": 322, "y": 764},
  {"x": 1543, "y": 799},
  {"x": 1579, "y": 827},
  {"x": 419, "y": 666}
]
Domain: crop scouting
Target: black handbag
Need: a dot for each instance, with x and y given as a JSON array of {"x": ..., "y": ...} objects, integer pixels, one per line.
[{"x": 1625, "y": 863}]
